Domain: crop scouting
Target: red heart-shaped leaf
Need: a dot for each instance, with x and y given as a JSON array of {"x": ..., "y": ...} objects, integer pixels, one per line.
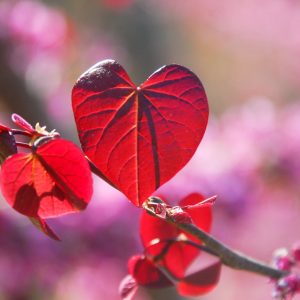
[
  {"x": 53, "y": 180},
  {"x": 139, "y": 137}
]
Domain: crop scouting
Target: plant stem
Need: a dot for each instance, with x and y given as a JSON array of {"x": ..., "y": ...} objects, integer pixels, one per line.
[{"x": 229, "y": 257}]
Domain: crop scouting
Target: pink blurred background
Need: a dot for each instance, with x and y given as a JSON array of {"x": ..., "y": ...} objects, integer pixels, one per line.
[{"x": 247, "y": 55}]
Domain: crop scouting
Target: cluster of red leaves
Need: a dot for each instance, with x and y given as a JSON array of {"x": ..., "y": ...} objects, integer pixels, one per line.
[
  {"x": 53, "y": 178},
  {"x": 171, "y": 257},
  {"x": 135, "y": 138}
]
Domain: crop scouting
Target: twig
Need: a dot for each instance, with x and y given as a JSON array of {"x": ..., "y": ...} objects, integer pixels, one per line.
[{"x": 229, "y": 257}]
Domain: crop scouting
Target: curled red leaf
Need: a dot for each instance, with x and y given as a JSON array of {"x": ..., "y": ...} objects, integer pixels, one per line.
[
  {"x": 22, "y": 123},
  {"x": 139, "y": 137},
  {"x": 53, "y": 180}
]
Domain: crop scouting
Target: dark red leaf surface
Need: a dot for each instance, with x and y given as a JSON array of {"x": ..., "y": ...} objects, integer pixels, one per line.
[
  {"x": 145, "y": 272},
  {"x": 180, "y": 255},
  {"x": 152, "y": 228},
  {"x": 195, "y": 275},
  {"x": 177, "y": 258},
  {"x": 53, "y": 180},
  {"x": 201, "y": 215},
  {"x": 139, "y": 137}
]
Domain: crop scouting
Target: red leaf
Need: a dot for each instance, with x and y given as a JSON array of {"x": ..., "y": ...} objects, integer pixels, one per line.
[
  {"x": 152, "y": 228},
  {"x": 128, "y": 288},
  {"x": 180, "y": 255},
  {"x": 44, "y": 227},
  {"x": 146, "y": 273},
  {"x": 53, "y": 180},
  {"x": 139, "y": 137},
  {"x": 201, "y": 281},
  {"x": 4, "y": 128},
  {"x": 201, "y": 215},
  {"x": 21, "y": 122}
]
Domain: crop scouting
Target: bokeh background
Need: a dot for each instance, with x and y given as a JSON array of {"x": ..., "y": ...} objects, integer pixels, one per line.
[{"x": 247, "y": 56}]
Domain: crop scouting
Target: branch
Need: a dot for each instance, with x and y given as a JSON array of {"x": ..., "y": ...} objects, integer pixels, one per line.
[{"x": 229, "y": 257}]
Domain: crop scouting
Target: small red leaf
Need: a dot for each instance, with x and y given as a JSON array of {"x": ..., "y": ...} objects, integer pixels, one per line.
[
  {"x": 146, "y": 273},
  {"x": 201, "y": 215},
  {"x": 139, "y": 137},
  {"x": 44, "y": 227},
  {"x": 152, "y": 228},
  {"x": 202, "y": 281},
  {"x": 21, "y": 122},
  {"x": 128, "y": 288},
  {"x": 177, "y": 257},
  {"x": 53, "y": 180}
]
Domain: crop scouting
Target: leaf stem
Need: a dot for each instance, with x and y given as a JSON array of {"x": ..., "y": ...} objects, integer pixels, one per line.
[{"x": 228, "y": 256}]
